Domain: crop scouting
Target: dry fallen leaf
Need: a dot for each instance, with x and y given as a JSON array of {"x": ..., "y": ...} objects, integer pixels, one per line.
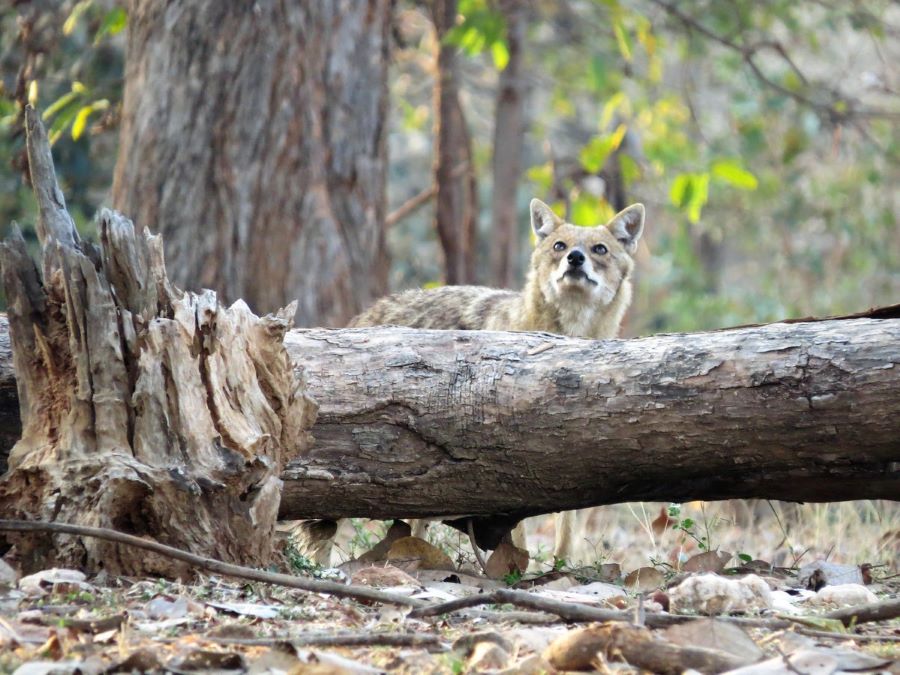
[
  {"x": 399, "y": 529},
  {"x": 715, "y": 634},
  {"x": 506, "y": 559},
  {"x": 662, "y": 522},
  {"x": 419, "y": 551},
  {"x": 380, "y": 577},
  {"x": 710, "y": 561},
  {"x": 645, "y": 579}
]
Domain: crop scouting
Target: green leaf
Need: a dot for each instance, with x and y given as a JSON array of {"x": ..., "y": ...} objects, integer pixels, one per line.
[
  {"x": 622, "y": 39},
  {"x": 631, "y": 171},
  {"x": 541, "y": 175},
  {"x": 745, "y": 557},
  {"x": 584, "y": 211},
  {"x": 59, "y": 104},
  {"x": 113, "y": 23},
  {"x": 80, "y": 122},
  {"x": 689, "y": 192},
  {"x": 588, "y": 210},
  {"x": 62, "y": 120},
  {"x": 77, "y": 11},
  {"x": 594, "y": 155},
  {"x": 501, "y": 54},
  {"x": 614, "y": 103},
  {"x": 731, "y": 172}
]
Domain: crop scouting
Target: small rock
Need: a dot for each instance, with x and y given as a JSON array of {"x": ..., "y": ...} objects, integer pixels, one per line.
[
  {"x": 821, "y": 573},
  {"x": 530, "y": 665},
  {"x": 466, "y": 644},
  {"x": 8, "y": 576},
  {"x": 712, "y": 594},
  {"x": 54, "y": 580},
  {"x": 715, "y": 634},
  {"x": 843, "y": 595},
  {"x": 487, "y": 656}
]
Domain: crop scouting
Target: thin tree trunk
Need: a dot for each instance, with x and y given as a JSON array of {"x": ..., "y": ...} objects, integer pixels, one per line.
[
  {"x": 254, "y": 137},
  {"x": 456, "y": 209},
  {"x": 509, "y": 129}
]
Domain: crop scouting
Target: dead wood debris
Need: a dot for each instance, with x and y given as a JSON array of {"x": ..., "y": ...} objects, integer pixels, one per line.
[{"x": 362, "y": 593}]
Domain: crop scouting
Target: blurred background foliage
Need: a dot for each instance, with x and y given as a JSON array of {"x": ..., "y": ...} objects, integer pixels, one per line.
[{"x": 762, "y": 137}]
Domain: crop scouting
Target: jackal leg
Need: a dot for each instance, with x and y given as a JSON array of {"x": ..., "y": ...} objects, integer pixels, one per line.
[{"x": 571, "y": 533}]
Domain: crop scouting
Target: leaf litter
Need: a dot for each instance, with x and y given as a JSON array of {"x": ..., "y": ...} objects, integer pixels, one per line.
[{"x": 753, "y": 618}]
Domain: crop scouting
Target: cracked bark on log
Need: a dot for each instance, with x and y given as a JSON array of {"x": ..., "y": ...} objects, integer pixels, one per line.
[
  {"x": 417, "y": 423},
  {"x": 144, "y": 409}
]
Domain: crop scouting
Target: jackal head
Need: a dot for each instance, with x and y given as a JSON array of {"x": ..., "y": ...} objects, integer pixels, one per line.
[{"x": 583, "y": 265}]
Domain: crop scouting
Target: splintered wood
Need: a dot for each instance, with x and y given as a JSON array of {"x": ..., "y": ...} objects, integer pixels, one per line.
[{"x": 144, "y": 409}]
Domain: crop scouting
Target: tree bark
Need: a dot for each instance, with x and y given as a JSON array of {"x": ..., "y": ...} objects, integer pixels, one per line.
[
  {"x": 144, "y": 409},
  {"x": 509, "y": 130},
  {"x": 417, "y": 423},
  {"x": 456, "y": 211},
  {"x": 253, "y": 136}
]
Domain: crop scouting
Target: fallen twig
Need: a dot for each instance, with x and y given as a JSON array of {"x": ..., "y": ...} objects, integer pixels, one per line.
[
  {"x": 216, "y": 566},
  {"x": 336, "y": 640},
  {"x": 574, "y": 613},
  {"x": 885, "y": 610},
  {"x": 568, "y": 611},
  {"x": 847, "y": 636}
]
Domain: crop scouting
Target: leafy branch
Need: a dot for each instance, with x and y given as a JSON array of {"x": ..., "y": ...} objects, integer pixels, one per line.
[{"x": 839, "y": 110}]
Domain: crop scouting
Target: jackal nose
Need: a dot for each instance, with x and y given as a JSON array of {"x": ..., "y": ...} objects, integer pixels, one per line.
[{"x": 575, "y": 258}]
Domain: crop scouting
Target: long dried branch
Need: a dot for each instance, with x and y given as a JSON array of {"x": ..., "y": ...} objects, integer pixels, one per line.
[{"x": 215, "y": 566}]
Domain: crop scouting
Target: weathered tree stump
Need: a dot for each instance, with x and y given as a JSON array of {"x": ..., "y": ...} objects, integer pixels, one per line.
[{"x": 144, "y": 408}]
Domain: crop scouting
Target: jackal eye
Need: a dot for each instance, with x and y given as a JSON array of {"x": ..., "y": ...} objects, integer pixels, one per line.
[
  {"x": 599, "y": 249},
  {"x": 559, "y": 246}
]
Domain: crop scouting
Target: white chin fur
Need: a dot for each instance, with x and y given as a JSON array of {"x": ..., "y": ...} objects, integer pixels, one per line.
[{"x": 598, "y": 292}]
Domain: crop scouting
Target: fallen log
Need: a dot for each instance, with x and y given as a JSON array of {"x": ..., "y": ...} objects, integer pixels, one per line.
[
  {"x": 419, "y": 423},
  {"x": 416, "y": 423}
]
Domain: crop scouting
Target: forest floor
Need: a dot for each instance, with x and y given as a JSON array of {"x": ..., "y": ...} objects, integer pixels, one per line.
[{"x": 645, "y": 559}]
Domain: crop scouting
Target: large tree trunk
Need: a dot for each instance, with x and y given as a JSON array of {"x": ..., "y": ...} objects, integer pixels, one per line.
[
  {"x": 254, "y": 137},
  {"x": 144, "y": 409},
  {"x": 417, "y": 423},
  {"x": 456, "y": 211},
  {"x": 509, "y": 129}
]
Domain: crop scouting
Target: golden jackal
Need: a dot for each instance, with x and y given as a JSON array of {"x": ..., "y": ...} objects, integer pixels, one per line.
[{"x": 579, "y": 284}]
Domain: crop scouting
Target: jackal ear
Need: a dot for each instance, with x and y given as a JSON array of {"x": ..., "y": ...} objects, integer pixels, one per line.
[
  {"x": 627, "y": 226},
  {"x": 543, "y": 220}
]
